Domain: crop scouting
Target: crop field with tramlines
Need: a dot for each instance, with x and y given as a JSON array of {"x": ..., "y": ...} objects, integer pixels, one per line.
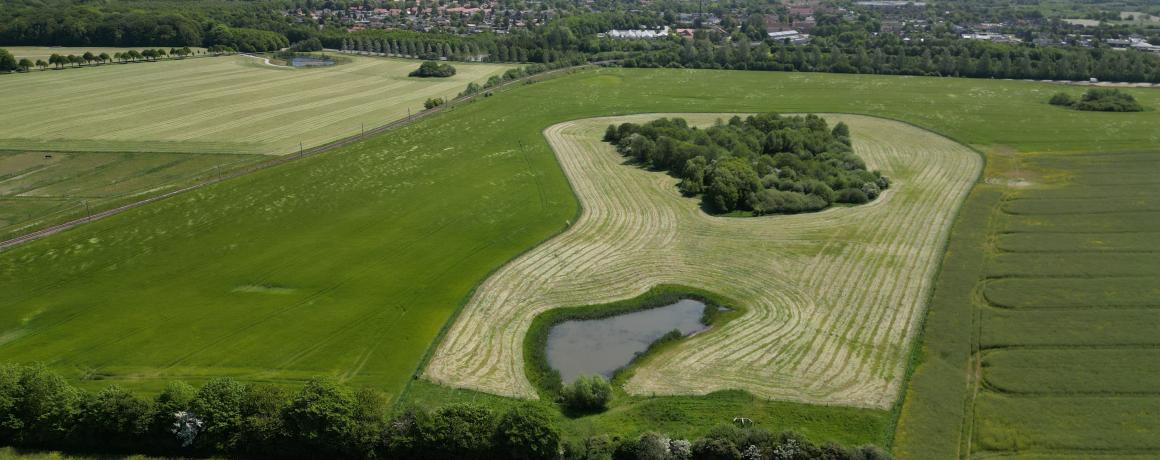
[
  {"x": 351, "y": 263},
  {"x": 1057, "y": 317},
  {"x": 833, "y": 298},
  {"x": 1068, "y": 333}
]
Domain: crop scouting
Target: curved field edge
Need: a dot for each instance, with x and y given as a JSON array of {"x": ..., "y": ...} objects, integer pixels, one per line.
[
  {"x": 630, "y": 227},
  {"x": 547, "y": 380},
  {"x": 935, "y": 405}
]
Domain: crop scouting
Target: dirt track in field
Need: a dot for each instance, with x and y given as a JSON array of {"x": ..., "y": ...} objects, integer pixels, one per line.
[{"x": 834, "y": 298}]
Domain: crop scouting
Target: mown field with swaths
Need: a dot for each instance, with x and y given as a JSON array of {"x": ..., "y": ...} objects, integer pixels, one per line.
[
  {"x": 833, "y": 297},
  {"x": 230, "y": 104},
  {"x": 350, "y": 263}
]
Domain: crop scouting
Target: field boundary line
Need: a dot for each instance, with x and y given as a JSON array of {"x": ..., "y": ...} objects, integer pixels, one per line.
[
  {"x": 426, "y": 360},
  {"x": 282, "y": 159}
]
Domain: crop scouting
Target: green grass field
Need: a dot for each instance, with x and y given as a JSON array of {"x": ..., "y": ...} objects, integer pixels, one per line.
[
  {"x": 37, "y": 187},
  {"x": 350, "y": 263},
  {"x": 134, "y": 133}
]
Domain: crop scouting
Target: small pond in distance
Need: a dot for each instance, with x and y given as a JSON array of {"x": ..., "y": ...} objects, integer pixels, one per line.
[
  {"x": 300, "y": 61},
  {"x": 601, "y": 346}
]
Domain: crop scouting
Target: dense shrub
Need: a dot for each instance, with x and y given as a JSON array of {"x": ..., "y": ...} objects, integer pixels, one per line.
[
  {"x": 1099, "y": 100},
  {"x": 1062, "y": 99},
  {"x": 589, "y": 393},
  {"x": 1107, "y": 100},
  {"x": 766, "y": 164},
  {"x": 433, "y": 69},
  {"x": 431, "y": 103}
]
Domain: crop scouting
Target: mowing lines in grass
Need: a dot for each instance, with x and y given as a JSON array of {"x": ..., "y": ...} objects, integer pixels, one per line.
[
  {"x": 832, "y": 297},
  {"x": 214, "y": 105}
]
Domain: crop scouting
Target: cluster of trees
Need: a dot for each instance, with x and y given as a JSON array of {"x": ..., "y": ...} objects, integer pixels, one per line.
[
  {"x": 305, "y": 46},
  {"x": 433, "y": 102},
  {"x": 466, "y": 432},
  {"x": 39, "y": 409},
  {"x": 224, "y": 417},
  {"x": 1099, "y": 100},
  {"x": 433, "y": 69},
  {"x": 245, "y": 40},
  {"x": 765, "y": 163}
]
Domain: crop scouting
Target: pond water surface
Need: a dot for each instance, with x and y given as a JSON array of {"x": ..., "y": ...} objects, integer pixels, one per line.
[
  {"x": 601, "y": 346},
  {"x": 310, "y": 62}
]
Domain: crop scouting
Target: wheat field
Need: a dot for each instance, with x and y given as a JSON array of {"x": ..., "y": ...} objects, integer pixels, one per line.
[{"x": 833, "y": 298}]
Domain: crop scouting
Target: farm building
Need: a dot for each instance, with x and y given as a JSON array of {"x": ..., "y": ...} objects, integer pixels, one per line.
[
  {"x": 637, "y": 33},
  {"x": 793, "y": 36}
]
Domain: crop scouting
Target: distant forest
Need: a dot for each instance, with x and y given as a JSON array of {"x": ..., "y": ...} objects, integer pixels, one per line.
[
  {"x": 242, "y": 26},
  {"x": 890, "y": 56}
]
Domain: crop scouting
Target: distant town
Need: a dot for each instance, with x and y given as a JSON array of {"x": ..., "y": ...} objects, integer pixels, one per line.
[{"x": 790, "y": 22}]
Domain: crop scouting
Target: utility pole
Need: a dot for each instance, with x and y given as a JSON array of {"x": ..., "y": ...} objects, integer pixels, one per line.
[{"x": 299, "y": 148}]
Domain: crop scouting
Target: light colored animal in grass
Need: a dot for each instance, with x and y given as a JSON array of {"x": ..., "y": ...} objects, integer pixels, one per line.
[{"x": 833, "y": 298}]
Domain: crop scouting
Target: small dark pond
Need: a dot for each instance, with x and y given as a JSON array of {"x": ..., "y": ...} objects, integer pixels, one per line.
[
  {"x": 310, "y": 62},
  {"x": 601, "y": 346}
]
